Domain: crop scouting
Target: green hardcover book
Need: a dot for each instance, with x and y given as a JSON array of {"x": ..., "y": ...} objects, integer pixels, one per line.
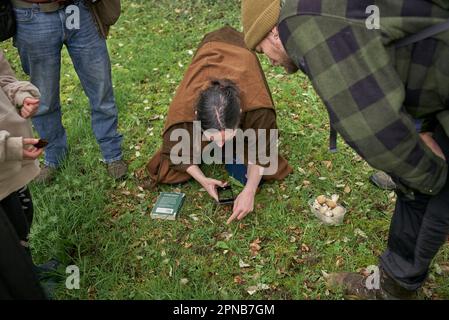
[{"x": 168, "y": 205}]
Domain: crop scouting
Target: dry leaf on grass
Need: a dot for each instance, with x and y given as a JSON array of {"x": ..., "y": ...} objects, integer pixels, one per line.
[
  {"x": 253, "y": 289},
  {"x": 243, "y": 265},
  {"x": 255, "y": 247}
]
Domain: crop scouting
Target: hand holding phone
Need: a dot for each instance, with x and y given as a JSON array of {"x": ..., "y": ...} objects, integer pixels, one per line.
[
  {"x": 42, "y": 143},
  {"x": 225, "y": 195}
]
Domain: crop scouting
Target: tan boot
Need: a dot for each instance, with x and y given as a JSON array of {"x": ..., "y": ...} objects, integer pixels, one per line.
[
  {"x": 118, "y": 169},
  {"x": 46, "y": 175},
  {"x": 355, "y": 287}
]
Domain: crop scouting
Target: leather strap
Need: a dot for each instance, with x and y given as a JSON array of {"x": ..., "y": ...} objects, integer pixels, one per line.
[
  {"x": 333, "y": 140},
  {"x": 424, "y": 34},
  {"x": 44, "y": 5}
]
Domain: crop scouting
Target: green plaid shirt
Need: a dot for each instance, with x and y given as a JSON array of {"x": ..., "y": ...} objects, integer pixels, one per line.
[{"x": 373, "y": 91}]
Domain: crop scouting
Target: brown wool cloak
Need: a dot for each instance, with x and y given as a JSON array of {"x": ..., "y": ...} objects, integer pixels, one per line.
[{"x": 221, "y": 54}]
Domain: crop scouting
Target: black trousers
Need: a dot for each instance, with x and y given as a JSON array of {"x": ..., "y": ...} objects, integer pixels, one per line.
[
  {"x": 18, "y": 206},
  {"x": 418, "y": 229},
  {"x": 17, "y": 278}
]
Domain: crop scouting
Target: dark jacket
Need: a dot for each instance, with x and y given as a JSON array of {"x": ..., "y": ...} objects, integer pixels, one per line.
[{"x": 371, "y": 89}]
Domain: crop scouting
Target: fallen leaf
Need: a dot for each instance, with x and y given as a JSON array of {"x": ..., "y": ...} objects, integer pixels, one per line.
[
  {"x": 360, "y": 233},
  {"x": 347, "y": 189},
  {"x": 239, "y": 280},
  {"x": 188, "y": 245},
  {"x": 242, "y": 264},
  {"x": 226, "y": 236},
  {"x": 327, "y": 164},
  {"x": 251, "y": 290},
  {"x": 260, "y": 286},
  {"x": 255, "y": 247},
  {"x": 339, "y": 262},
  {"x": 193, "y": 217},
  {"x": 305, "y": 248},
  {"x": 444, "y": 269}
]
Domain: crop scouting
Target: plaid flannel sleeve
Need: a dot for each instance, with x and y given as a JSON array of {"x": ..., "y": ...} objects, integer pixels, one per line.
[{"x": 354, "y": 75}]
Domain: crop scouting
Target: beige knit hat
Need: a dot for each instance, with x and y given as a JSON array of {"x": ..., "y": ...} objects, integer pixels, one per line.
[{"x": 258, "y": 18}]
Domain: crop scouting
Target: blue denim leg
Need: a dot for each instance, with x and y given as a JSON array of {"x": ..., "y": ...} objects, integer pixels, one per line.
[
  {"x": 40, "y": 37},
  {"x": 90, "y": 57},
  {"x": 39, "y": 41},
  {"x": 239, "y": 172}
]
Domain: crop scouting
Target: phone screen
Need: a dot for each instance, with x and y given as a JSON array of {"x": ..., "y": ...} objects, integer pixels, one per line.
[{"x": 225, "y": 195}]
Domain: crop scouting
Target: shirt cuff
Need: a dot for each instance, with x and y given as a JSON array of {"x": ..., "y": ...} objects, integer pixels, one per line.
[
  {"x": 21, "y": 96},
  {"x": 14, "y": 149}
]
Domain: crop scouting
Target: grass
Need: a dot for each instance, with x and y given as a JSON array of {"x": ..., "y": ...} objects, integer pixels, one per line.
[{"x": 103, "y": 227}]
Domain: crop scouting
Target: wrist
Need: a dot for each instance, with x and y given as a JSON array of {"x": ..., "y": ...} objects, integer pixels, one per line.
[{"x": 251, "y": 190}]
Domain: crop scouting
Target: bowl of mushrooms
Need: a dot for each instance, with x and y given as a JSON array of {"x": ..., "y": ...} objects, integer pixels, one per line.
[{"x": 328, "y": 210}]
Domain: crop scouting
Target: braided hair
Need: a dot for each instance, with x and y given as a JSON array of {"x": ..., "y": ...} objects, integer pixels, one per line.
[{"x": 219, "y": 106}]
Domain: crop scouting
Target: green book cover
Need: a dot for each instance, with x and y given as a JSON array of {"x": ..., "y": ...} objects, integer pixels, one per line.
[{"x": 168, "y": 205}]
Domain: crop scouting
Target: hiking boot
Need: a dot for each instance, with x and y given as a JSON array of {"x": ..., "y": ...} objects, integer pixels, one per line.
[
  {"x": 355, "y": 287},
  {"x": 383, "y": 181},
  {"x": 118, "y": 169},
  {"x": 148, "y": 184},
  {"x": 46, "y": 175}
]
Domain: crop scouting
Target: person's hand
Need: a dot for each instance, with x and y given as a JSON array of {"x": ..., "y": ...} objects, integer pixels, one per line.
[
  {"x": 427, "y": 137},
  {"x": 29, "y": 151},
  {"x": 243, "y": 205},
  {"x": 30, "y": 107},
  {"x": 210, "y": 185}
]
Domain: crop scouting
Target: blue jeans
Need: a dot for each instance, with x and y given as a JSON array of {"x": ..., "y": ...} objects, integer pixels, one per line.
[{"x": 39, "y": 39}]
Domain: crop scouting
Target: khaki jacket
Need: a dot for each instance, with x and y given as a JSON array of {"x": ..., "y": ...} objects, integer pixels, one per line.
[{"x": 15, "y": 172}]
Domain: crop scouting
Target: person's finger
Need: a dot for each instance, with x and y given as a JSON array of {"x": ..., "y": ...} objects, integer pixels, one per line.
[
  {"x": 236, "y": 212},
  {"x": 24, "y": 114},
  {"x": 218, "y": 182},
  {"x": 214, "y": 194},
  {"x": 31, "y": 101},
  {"x": 243, "y": 214},
  {"x": 30, "y": 141},
  {"x": 232, "y": 218}
]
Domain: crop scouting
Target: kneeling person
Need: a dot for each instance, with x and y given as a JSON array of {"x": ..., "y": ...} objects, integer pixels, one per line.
[{"x": 224, "y": 89}]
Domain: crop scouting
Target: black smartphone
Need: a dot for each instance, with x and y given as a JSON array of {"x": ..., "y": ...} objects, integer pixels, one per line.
[
  {"x": 42, "y": 143},
  {"x": 225, "y": 195}
]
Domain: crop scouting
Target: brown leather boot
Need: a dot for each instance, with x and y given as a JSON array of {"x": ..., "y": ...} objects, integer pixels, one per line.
[
  {"x": 355, "y": 287},
  {"x": 118, "y": 169},
  {"x": 47, "y": 175}
]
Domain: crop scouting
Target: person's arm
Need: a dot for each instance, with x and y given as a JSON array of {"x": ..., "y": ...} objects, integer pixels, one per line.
[
  {"x": 244, "y": 203},
  {"x": 17, "y": 148},
  {"x": 20, "y": 93},
  {"x": 10, "y": 147},
  {"x": 263, "y": 118},
  {"x": 355, "y": 77},
  {"x": 209, "y": 184},
  {"x": 188, "y": 166}
]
